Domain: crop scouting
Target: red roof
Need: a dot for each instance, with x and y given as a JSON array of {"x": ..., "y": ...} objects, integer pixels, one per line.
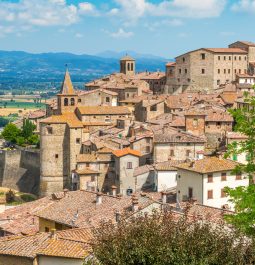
[{"x": 126, "y": 151}]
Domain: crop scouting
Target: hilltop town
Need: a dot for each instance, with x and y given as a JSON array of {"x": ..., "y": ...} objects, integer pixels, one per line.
[{"x": 127, "y": 143}]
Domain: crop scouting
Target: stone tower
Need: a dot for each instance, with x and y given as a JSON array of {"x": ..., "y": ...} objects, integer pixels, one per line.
[
  {"x": 127, "y": 65},
  {"x": 67, "y": 98}
]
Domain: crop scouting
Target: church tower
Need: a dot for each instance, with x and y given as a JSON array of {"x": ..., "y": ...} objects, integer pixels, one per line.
[
  {"x": 127, "y": 65},
  {"x": 67, "y": 98}
]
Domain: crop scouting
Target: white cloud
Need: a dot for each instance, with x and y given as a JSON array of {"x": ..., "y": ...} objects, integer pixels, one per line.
[
  {"x": 120, "y": 34},
  {"x": 88, "y": 8},
  {"x": 244, "y": 6},
  {"x": 135, "y": 9},
  {"x": 78, "y": 35}
]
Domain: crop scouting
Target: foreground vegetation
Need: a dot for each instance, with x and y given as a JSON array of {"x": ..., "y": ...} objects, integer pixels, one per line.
[
  {"x": 163, "y": 239},
  {"x": 22, "y": 137}
]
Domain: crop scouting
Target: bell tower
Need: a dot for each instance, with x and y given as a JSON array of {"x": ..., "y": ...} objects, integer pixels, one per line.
[
  {"x": 127, "y": 65},
  {"x": 67, "y": 98}
]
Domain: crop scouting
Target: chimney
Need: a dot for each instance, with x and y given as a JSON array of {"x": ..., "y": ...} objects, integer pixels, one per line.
[
  {"x": 134, "y": 203},
  {"x": 65, "y": 192},
  {"x": 114, "y": 191},
  {"x": 117, "y": 216},
  {"x": 99, "y": 198},
  {"x": 53, "y": 233},
  {"x": 163, "y": 197}
]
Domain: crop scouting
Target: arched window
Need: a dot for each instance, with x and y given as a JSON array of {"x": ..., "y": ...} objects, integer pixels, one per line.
[
  {"x": 66, "y": 102},
  {"x": 72, "y": 102},
  {"x": 128, "y": 66},
  {"x": 132, "y": 67}
]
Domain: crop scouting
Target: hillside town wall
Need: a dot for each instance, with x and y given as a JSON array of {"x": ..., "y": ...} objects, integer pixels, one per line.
[{"x": 20, "y": 170}]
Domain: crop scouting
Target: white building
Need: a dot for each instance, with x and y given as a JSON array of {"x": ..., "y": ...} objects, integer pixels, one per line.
[
  {"x": 245, "y": 79},
  {"x": 205, "y": 180}
]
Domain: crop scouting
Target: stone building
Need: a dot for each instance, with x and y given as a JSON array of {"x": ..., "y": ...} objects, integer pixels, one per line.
[
  {"x": 209, "y": 68},
  {"x": 62, "y": 136}
]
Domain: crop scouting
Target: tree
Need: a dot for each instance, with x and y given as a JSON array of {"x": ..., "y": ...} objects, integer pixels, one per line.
[
  {"x": 244, "y": 197},
  {"x": 27, "y": 128},
  {"x": 33, "y": 139},
  {"x": 11, "y": 132},
  {"x": 162, "y": 239}
]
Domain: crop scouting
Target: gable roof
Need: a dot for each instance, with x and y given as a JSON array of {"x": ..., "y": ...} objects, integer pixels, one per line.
[
  {"x": 66, "y": 118},
  {"x": 209, "y": 165},
  {"x": 103, "y": 110},
  {"x": 126, "y": 151}
]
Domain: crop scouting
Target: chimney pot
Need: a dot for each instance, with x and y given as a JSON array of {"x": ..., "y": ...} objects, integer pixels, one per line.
[
  {"x": 99, "y": 198},
  {"x": 163, "y": 197},
  {"x": 114, "y": 191}
]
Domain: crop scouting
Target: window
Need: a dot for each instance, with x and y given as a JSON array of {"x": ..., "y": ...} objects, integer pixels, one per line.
[
  {"x": 180, "y": 71},
  {"x": 183, "y": 59},
  {"x": 218, "y": 82},
  {"x": 240, "y": 71},
  {"x": 148, "y": 140},
  {"x": 240, "y": 58},
  {"x": 87, "y": 164},
  {"x": 46, "y": 229},
  {"x": 79, "y": 100},
  {"x": 129, "y": 165},
  {"x": 72, "y": 102},
  {"x": 229, "y": 71},
  {"x": 56, "y": 155},
  {"x": 49, "y": 130},
  {"x": 190, "y": 193},
  {"x": 148, "y": 149},
  {"x": 223, "y": 176},
  {"x": 210, "y": 178},
  {"x": 218, "y": 58},
  {"x": 223, "y": 194},
  {"x": 188, "y": 153},
  {"x": 229, "y": 58},
  {"x": 203, "y": 56},
  {"x": 186, "y": 71},
  {"x": 78, "y": 140},
  {"x": 128, "y": 66},
  {"x": 210, "y": 194},
  {"x": 188, "y": 79},
  {"x": 218, "y": 123},
  {"x": 224, "y": 58},
  {"x": 235, "y": 58},
  {"x": 132, "y": 67},
  {"x": 195, "y": 122},
  {"x": 66, "y": 102},
  {"x": 238, "y": 176},
  {"x": 93, "y": 178},
  {"x": 218, "y": 71},
  {"x": 235, "y": 71},
  {"x": 171, "y": 152},
  {"x": 224, "y": 71},
  {"x": 203, "y": 71},
  {"x": 153, "y": 108}
]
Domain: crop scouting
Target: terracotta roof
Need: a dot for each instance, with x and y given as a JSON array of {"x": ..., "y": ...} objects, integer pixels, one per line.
[
  {"x": 226, "y": 50},
  {"x": 229, "y": 97},
  {"x": 235, "y": 135},
  {"x": 172, "y": 135},
  {"x": 109, "y": 92},
  {"x": 219, "y": 116},
  {"x": 168, "y": 165},
  {"x": 171, "y": 64},
  {"x": 37, "y": 114},
  {"x": 67, "y": 118},
  {"x": 127, "y": 58},
  {"x": 67, "y": 86},
  {"x": 79, "y": 208},
  {"x": 103, "y": 110},
  {"x": 86, "y": 171},
  {"x": 209, "y": 165},
  {"x": 126, "y": 151},
  {"x": 21, "y": 219},
  {"x": 97, "y": 123},
  {"x": 73, "y": 243},
  {"x": 143, "y": 169},
  {"x": 249, "y": 43},
  {"x": 150, "y": 75},
  {"x": 105, "y": 150}
]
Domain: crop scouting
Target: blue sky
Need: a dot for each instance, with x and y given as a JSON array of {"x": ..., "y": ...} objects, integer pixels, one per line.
[{"x": 160, "y": 27}]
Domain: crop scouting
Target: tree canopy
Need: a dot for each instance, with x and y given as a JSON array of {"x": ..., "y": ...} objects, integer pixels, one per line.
[{"x": 163, "y": 239}]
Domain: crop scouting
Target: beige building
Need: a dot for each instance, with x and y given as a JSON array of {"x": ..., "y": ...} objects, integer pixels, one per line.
[
  {"x": 62, "y": 136},
  {"x": 209, "y": 68},
  {"x": 204, "y": 180}
]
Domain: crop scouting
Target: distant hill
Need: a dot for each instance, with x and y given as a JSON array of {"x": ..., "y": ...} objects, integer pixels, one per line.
[{"x": 17, "y": 67}]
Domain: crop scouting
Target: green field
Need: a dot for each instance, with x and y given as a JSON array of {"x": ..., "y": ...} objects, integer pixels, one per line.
[{"x": 22, "y": 105}]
